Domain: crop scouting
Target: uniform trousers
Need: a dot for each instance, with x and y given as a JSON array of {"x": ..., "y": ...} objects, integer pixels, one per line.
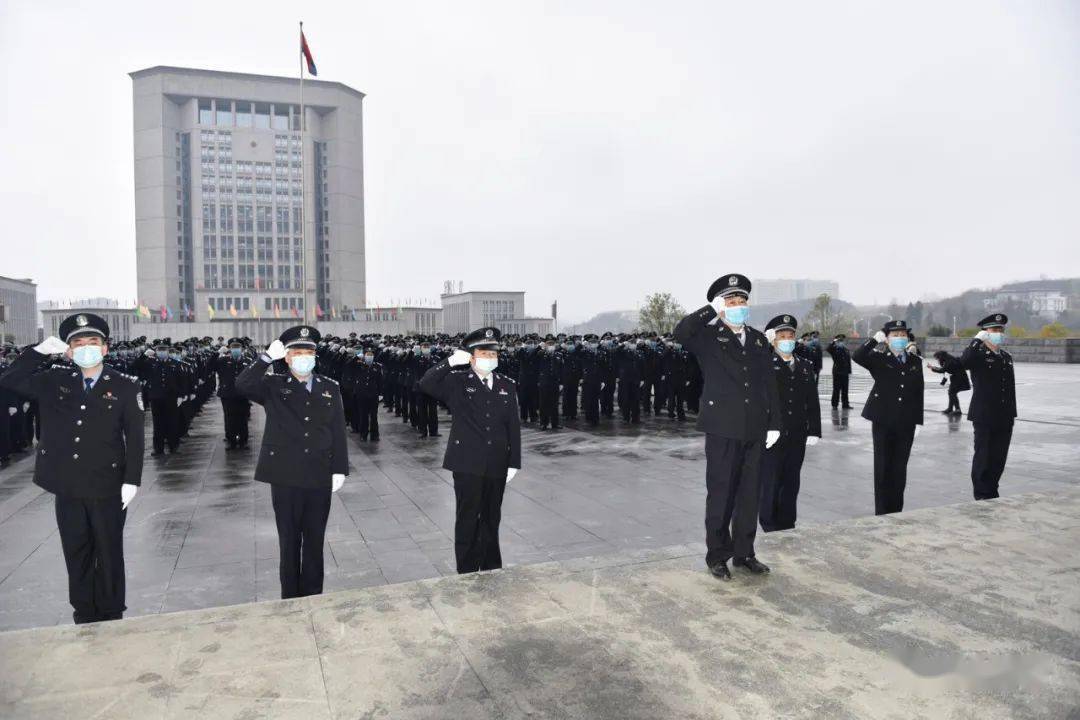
[
  {"x": 676, "y": 392},
  {"x": 166, "y": 418},
  {"x": 781, "y": 469},
  {"x": 991, "y": 452},
  {"x": 528, "y": 398},
  {"x": 236, "y": 411},
  {"x": 476, "y": 528},
  {"x": 630, "y": 400},
  {"x": 301, "y": 515},
  {"x": 590, "y": 401},
  {"x": 732, "y": 479},
  {"x": 427, "y": 413},
  {"x": 840, "y": 389},
  {"x": 892, "y": 448},
  {"x": 607, "y": 398},
  {"x": 92, "y": 538},
  {"x": 367, "y": 416},
  {"x": 549, "y": 405}
]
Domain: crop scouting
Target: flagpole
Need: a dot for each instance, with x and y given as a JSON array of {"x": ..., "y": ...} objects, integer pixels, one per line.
[{"x": 303, "y": 180}]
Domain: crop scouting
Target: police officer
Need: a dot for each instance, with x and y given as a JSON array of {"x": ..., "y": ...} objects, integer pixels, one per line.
[
  {"x": 591, "y": 379},
  {"x": 894, "y": 406},
  {"x": 993, "y": 404},
  {"x": 800, "y": 419},
  {"x": 304, "y": 456},
  {"x": 427, "y": 409},
  {"x": 484, "y": 448},
  {"x": 529, "y": 360},
  {"x": 608, "y": 374},
  {"x": 630, "y": 371},
  {"x": 90, "y": 457},
  {"x": 228, "y": 364},
  {"x": 163, "y": 381},
  {"x": 368, "y": 384},
  {"x": 841, "y": 371},
  {"x": 740, "y": 416},
  {"x": 676, "y": 379},
  {"x": 550, "y": 373}
]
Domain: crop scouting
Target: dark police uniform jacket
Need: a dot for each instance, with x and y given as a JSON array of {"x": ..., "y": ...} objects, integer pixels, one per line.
[
  {"x": 485, "y": 435},
  {"x": 304, "y": 439},
  {"x": 800, "y": 408},
  {"x": 91, "y": 443},
  {"x": 896, "y": 399},
  {"x": 228, "y": 370},
  {"x": 841, "y": 358},
  {"x": 994, "y": 399},
  {"x": 164, "y": 378},
  {"x": 740, "y": 399}
]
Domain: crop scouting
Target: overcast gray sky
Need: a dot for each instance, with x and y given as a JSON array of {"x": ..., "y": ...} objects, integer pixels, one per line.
[{"x": 596, "y": 151}]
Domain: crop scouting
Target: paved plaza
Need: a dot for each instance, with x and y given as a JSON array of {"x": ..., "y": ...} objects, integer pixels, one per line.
[
  {"x": 201, "y": 532},
  {"x": 967, "y": 612}
]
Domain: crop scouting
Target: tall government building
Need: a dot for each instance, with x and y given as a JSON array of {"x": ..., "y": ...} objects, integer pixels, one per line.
[{"x": 219, "y": 209}]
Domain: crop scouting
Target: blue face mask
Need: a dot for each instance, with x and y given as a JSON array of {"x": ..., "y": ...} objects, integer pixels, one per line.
[
  {"x": 996, "y": 338},
  {"x": 175, "y": 356},
  {"x": 87, "y": 356},
  {"x": 898, "y": 344},
  {"x": 237, "y": 353},
  {"x": 737, "y": 314},
  {"x": 425, "y": 351},
  {"x": 786, "y": 346},
  {"x": 302, "y": 364},
  {"x": 677, "y": 346},
  {"x": 162, "y": 355},
  {"x": 369, "y": 359}
]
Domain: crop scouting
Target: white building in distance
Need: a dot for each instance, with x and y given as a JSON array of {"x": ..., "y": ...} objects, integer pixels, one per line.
[
  {"x": 767, "y": 292},
  {"x": 466, "y": 311}
]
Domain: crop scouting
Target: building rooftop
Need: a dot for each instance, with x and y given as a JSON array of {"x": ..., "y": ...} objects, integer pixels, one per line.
[{"x": 228, "y": 75}]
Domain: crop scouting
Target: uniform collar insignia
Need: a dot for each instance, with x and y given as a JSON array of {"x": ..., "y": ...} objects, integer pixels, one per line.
[
  {"x": 470, "y": 389},
  {"x": 502, "y": 391},
  {"x": 326, "y": 394}
]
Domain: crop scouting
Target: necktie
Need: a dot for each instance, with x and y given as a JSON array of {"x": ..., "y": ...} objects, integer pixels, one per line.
[
  {"x": 903, "y": 358},
  {"x": 89, "y": 382},
  {"x": 487, "y": 381}
]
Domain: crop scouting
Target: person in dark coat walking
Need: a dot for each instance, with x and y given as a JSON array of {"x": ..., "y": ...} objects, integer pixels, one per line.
[
  {"x": 956, "y": 378},
  {"x": 841, "y": 371},
  {"x": 304, "y": 455},
  {"x": 90, "y": 456},
  {"x": 484, "y": 448},
  {"x": 800, "y": 415},
  {"x": 992, "y": 411},
  {"x": 895, "y": 407},
  {"x": 740, "y": 415}
]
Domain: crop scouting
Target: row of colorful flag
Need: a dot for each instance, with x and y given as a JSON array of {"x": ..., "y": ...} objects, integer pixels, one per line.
[{"x": 166, "y": 314}]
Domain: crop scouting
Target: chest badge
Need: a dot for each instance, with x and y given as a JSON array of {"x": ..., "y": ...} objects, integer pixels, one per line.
[
  {"x": 503, "y": 392},
  {"x": 470, "y": 389},
  {"x": 326, "y": 394}
]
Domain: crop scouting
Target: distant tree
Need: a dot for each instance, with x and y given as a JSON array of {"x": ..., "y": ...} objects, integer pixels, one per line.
[
  {"x": 1018, "y": 331},
  {"x": 968, "y": 332},
  {"x": 1054, "y": 330},
  {"x": 938, "y": 331},
  {"x": 824, "y": 319},
  {"x": 660, "y": 313}
]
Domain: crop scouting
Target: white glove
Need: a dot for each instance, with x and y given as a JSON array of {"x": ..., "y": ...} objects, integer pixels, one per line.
[
  {"x": 459, "y": 358},
  {"x": 718, "y": 305},
  {"x": 52, "y": 345},
  {"x": 127, "y": 494},
  {"x": 12, "y": 410},
  {"x": 812, "y": 440},
  {"x": 771, "y": 436},
  {"x": 179, "y": 401},
  {"x": 918, "y": 429},
  {"x": 26, "y": 407},
  {"x": 601, "y": 386},
  {"x": 148, "y": 353},
  {"x": 223, "y": 352},
  {"x": 913, "y": 348},
  {"x": 336, "y": 481},
  {"x": 276, "y": 351},
  {"x": 510, "y": 473},
  {"x": 879, "y": 336},
  {"x": 981, "y": 335},
  {"x": 770, "y": 335}
]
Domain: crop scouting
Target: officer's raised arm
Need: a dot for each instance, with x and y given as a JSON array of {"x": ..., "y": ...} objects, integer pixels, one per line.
[
  {"x": 686, "y": 332},
  {"x": 250, "y": 382},
  {"x": 21, "y": 378}
]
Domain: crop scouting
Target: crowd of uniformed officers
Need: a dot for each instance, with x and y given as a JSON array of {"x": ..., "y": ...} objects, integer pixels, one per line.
[{"x": 754, "y": 392}]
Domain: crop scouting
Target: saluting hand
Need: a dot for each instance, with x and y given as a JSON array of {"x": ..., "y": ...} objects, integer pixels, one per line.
[
  {"x": 879, "y": 336},
  {"x": 459, "y": 358},
  {"x": 276, "y": 351},
  {"x": 51, "y": 345},
  {"x": 982, "y": 335}
]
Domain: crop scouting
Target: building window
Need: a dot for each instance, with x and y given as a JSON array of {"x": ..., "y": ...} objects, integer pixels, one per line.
[
  {"x": 262, "y": 115},
  {"x": 243, "y": 114},
  {"x": 206, "y": 114}
]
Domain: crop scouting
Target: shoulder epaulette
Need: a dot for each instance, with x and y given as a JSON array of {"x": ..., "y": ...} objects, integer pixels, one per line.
[
  {"x": 329, "y": 379},
  {"x": 507, "y": 378}
]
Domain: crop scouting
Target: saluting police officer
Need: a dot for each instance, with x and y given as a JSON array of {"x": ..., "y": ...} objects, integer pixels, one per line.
[
  {"x": 740, "y": 415},
  {"x": 228, "y": 364},
  {"x": 841, "y": 371},
  {"x": 90, "y": 457},
  {"x": 304, "y": 456},
  {"x": 894, "y": 406},
  {"x": 800, "y": 416},
  {"x": 484, "y": 448},
  {"x": 993, "y": 404}
]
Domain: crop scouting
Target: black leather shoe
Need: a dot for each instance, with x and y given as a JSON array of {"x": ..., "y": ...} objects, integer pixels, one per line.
[
  {"x": 720, "y": 571},
  {"x": 752, "y": 564}
]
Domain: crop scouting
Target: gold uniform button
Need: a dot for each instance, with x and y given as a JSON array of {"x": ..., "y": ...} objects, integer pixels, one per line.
[{"x": 75, "y": 456}]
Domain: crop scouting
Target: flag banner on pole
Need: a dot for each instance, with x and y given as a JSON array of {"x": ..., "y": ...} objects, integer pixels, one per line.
[
  {"x": 307, "y": 55},
  {"x": 210, "y": 308},
  {"x": 232, "y": 310},
  {"x": 296, "y": 312},
  {"x": 277, "y": 311},
  {"x": 318, "y": 310},
  {"x": 163, "y": 314},
  {"x": 254, "y": 312}
]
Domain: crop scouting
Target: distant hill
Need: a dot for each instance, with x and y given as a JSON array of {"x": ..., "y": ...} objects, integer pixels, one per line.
[{"x": 616, "y": 321}]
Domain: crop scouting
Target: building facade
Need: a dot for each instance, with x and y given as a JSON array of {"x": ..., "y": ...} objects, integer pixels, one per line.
[
  {"x": 238, "y": 213},
  {"x": 18, "y": 311},
  {"x": 767, "y": 292},
  {"x": 1047, "y": 304},
  {"x": 121, "y": 319},
  {"x": 465, "y": 311}
]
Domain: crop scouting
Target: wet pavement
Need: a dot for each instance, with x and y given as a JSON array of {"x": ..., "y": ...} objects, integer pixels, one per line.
[
  {"x": 201, "y": 533},
  {"x": 967, "y": 612}
]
